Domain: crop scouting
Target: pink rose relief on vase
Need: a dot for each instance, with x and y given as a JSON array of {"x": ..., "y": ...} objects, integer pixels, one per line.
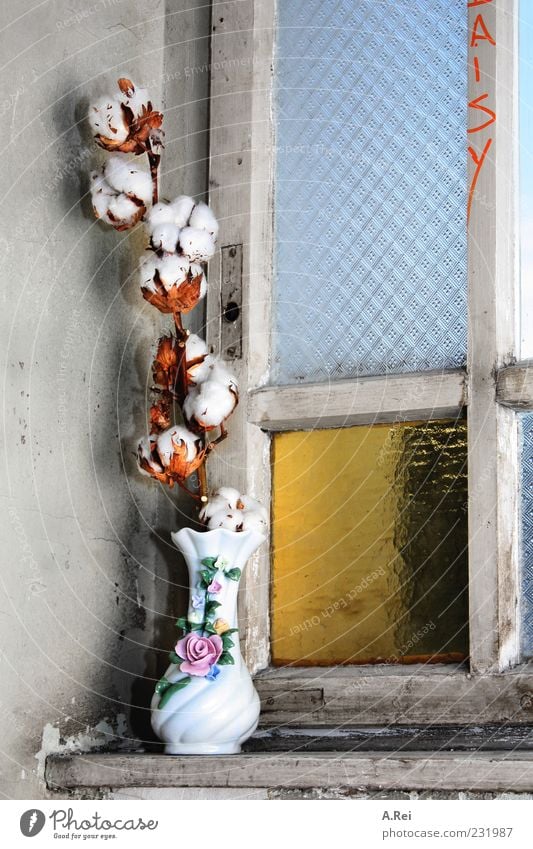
[{"x": 199, "y": 654}]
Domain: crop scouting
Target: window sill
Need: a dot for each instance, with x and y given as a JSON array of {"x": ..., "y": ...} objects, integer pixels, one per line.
[
  {"x": 394, "y": 695},
  {"x": 452, "y": 771}
]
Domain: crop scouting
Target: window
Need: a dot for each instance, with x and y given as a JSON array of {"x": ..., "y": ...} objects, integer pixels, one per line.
[{"x": 411, "y": 386}]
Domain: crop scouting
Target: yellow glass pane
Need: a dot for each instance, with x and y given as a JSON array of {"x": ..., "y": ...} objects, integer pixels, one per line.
[{"x": 370, "y": 544}]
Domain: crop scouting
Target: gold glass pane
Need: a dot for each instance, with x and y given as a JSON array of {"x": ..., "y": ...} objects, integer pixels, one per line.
[{"x": 370, "y": 544}]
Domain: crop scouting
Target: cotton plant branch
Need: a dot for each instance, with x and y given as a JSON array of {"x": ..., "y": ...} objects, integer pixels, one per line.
[
  {"x": 182, "y": 238},
  {"x": 153, "y": 160}
]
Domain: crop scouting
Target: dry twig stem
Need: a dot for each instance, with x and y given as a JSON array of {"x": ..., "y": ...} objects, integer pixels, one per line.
[
  {"x": 181, "y": 385},
  {"x": 219, "y": 439},
  {"x": 202, "y": 478},
  {"x": 186, "y": 488},
  {"x": 153, "y": 159}
]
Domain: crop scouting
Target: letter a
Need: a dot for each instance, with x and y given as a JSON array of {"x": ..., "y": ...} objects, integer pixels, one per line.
[{"x": 481, "y": 34}]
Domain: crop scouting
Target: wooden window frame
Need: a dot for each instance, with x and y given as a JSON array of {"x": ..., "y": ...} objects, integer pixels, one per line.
[{"x": 497, "y": 686}]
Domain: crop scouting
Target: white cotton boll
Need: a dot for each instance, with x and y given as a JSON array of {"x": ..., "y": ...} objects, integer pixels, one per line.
[
  {"x": 161, "y": 213},
  {"x": 230, "y": 519},
  {"x": 139, "y": 184},
  {"x": 220, "y": 374},
  {"x": 176, "y": 434},
  {"x": 197, "y": 245},
  {"x": 198, "y": 372},
  {"x": 209, "y": 404},
  {"x": 98, "y": 112},
  {"x": 213, "y": 369},
  {"x": 254, "y": 520},
  {"x": 203, "y": 218},
  {"x": 100, "y": 184},
  {"x": 196, "y": 270},
  {"x": 226, "y": 499},
  {"x": 189, "y": 405},
  {"x": 182, "y": 206},
  {"x": 231, "y": 495},
  {"x": 145, "y": 448},
  {"x": 215, "y": 505},
  {"x": 164, "y": 237},
  {"x": 122, "y": 208},
  {"x": 124, "y": 177},
  {"x": 250, "y": 504},
  {"x": 112, "y": 206},
  {"x": 100, "y": 205},
  {"x": 145, "y": 453},
  {"x": 137, "y": 99},
  {"x": 116, "y": 171},
  {"x": 195, "y": 347},
  {"x": 201, "y": 372},
  {"x": 173, "y": 270},
  {"x": 107, "y": 119},
  {"x": 148, "y": 268},
  {"x": 101, "y": 194}
]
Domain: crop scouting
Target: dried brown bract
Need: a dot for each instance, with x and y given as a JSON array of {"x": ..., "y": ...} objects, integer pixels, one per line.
[
  {"x": 165, "y": 365},
  {"x": 181, "y": 297},
  {"x": 159, "y": 416}
]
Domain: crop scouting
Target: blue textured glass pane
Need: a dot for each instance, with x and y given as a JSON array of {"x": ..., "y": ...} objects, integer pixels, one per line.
[
  {"x": 370, "y": 221},
  {"x": 526, "y": 428}
]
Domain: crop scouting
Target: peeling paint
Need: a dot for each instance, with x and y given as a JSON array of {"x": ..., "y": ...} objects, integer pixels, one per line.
[{"x": 98, "y": 737}]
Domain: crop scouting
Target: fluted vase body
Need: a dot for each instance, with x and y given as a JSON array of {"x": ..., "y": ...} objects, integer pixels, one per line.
[{"x": 206, "y": 702}]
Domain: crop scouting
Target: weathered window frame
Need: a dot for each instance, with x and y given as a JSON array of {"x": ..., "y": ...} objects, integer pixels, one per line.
[{"x": 496, "y": 687}]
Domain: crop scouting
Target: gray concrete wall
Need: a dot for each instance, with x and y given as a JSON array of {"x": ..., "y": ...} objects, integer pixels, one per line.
[{"x": 89, "y": 583}]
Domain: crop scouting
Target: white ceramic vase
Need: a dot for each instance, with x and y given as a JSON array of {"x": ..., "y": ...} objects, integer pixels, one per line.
[{"x": 206, "y": 702}]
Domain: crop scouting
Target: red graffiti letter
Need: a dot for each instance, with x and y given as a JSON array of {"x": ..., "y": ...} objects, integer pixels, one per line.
[
  {"x": 478, "y": 3},
  {"x": 482, "y": 35},
  {"x": 476, "y": 104},
  {"x": 478, "y": 162}
]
